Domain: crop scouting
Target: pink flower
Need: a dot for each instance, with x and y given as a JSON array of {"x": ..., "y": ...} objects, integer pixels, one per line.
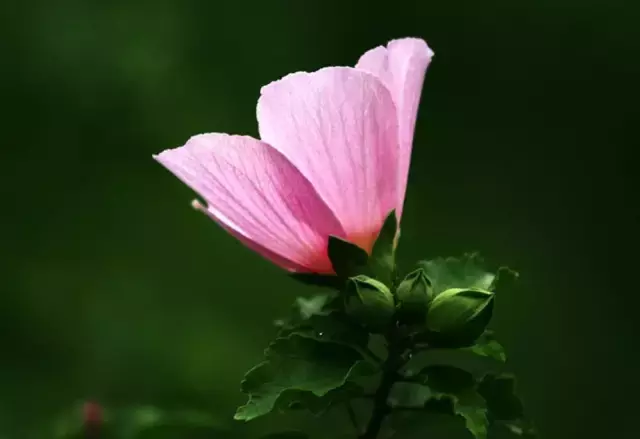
[
  {"x": 333, "y": 158},
  {"x": 92, "y": 414}
]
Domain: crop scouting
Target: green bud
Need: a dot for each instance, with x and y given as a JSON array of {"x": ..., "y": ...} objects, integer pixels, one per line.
[
  {"x": 458, "y": 316},
  {"x": 369, "y": 302},
  {"x": 414, "y": 294}
]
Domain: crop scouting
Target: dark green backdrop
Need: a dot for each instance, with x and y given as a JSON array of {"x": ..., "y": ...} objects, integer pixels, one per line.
[{"x": 114, "y": 289}]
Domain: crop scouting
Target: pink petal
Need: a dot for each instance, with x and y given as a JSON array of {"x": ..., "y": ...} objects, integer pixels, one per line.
[
  {"x": 254, "y": 192},
  {"x": 339, "y": 127},
  {"x": 268, "y": 254},
  {"x": 401, "y": 66}
]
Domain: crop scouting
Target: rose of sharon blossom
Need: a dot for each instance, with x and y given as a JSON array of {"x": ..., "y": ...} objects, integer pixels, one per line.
[{"x": 332, "y": 159}]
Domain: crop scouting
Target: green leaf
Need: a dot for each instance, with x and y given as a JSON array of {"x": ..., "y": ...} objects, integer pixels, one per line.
[
  {"x": 305, "y": 307},
  {"x": 323, "y": 317},
  {"x": 409, "y": 395},
  {"x": 466, "y": 403},
  {"x": 446, "y": 379},
  {"x": 471, "y": 406},
  {"x": 439, "y": 380},
  {"x": 295, "y": 363},
  {"x": 504, "y": 406},
  {"x": 382, "y": 262},
  {"x": 308, "y": 307},
  {"x": 318, "y": 405},
  {"x": 458, "y": 317},
  {"x": 500, "y": 393},
  {"x": 464, "y": 272},
  {"x": 505, "y": 278},
  {"x": 451, "y": 390},
  {"x": 346, "y": 258},
  {"x": 520, "y": 428},
  {"x": 369, "y": 302},
  {"x": 446, "y": 389},
  {"x": 333, "y": 326},
  {"x": 440, "y": 403},
  {"x": 488, "y": 346},
  {"x": 414, "y": 296}
]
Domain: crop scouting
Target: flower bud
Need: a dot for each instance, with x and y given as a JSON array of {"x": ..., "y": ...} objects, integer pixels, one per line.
[
  {"x": 369, "y": 302},
  {"x": 458, "y": 316},
  {"x": 414, "y": 294}
]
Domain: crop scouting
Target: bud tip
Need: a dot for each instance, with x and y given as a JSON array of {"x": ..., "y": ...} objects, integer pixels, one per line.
[{"x": 197, "y": 205}]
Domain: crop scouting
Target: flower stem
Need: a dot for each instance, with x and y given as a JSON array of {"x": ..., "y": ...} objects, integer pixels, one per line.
[
  {"x": 352, "y": 416},
  {"x": 390, "y": 368}
]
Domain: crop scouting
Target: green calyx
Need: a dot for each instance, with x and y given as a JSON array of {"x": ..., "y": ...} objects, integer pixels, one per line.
[
  {"x": 458, "y": 316},
  {"x": 414, "y": 295},
  {"x": 369, "y": 302},
  {"x": 349, "y": 260},
  {"x": 449, "y": 301}
]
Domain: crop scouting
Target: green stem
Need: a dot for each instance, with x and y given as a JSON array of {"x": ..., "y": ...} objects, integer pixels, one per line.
[
  {"x": 371, "y": 356},
  {"x": 352, "y": 416},
  {"x": 390, "y": 367}
]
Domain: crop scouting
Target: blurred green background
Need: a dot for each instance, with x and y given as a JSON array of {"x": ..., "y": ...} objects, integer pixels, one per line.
[{"x": 114, "y": 289}]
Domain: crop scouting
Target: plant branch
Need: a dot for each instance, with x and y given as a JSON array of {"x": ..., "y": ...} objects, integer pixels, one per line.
[
  {"x": 374, "y": 356},
  {"x": 394, "y": 361},
  {"x": 371, "y": 356},
  {"x": 352, "y": 416}
]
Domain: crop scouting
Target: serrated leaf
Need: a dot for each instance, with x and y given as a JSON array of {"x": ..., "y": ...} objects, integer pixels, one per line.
[
  {"x": 330, "y": 326},
  {"x": 446, "y": 379},
  {"x": 310, "y": 306},
  {"x": 323, "y": 317},
  {"x": 347, "y": 258},
  {"x": 464, "y": 272},
  {"x": 440, "y": 403},
  {"x": 305, "y": 307},
  {"x": 500, "y": 393},
  {"x": 466, "y": 403},
  {"x": 505, "y": 277},
  {"x": 449, "y": 390},
  {"x": 520, "y": 428},
  {"x": 471, "y": 406},
  {"x": 318, "y": 405},
  {"x": 382, "y": 261},
  {"x": 295, "y": 363},
  {"x": 504, "y": 406},
  {"x": 434, "y": 381},
  {"x": 409, "y": 395},
  {"x": 488, "y": 346}
]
